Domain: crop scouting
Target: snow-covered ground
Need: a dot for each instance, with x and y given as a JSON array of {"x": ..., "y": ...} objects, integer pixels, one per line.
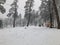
[{"x": 29, "y": 36}]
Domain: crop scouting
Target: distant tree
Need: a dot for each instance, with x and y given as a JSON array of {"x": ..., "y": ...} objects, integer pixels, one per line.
[
  {"x": 13, "y": 11},
  {"x": 44, "y": 12},
  {"x": 19, "y": 20},
  {"x": 28, "y": 9},
  {"x": 34, "y": 16},
  {"x": 2, "y": 9},
  {"x": 7, "y": 22},
  {"x": 46, "y": 9}
]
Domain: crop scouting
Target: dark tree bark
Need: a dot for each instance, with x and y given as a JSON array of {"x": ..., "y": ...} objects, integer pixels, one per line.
[
  {"x": 50, "y": 20},
  {"x": 29, "y": 15},
  {"x": 1, "y": 24},
  {"x": 14, "y": 22},
  {"x": 28, "y": 20},
  {"x": 50, "y": 12},
  {"x": 56, "y": 13},
  {"x": 15, "y": 14}
]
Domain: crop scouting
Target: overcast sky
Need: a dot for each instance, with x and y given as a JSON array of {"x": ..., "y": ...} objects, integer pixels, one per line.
[{"x": 21, "y": 4}]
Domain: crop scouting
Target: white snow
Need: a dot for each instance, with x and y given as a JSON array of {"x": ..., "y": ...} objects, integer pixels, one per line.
[{"x": 29, "y": 36}]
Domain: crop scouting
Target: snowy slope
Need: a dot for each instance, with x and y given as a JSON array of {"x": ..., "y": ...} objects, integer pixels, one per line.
[{"x": 29, "y": 36}]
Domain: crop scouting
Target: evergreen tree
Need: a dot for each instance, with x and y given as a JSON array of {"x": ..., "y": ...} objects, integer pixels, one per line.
[
  {"x": 46, "y": 13},
  {"x": 19, "y": 20},
  {"x": 2, "y": 10},
  {"x": 56, "y": 13},
  {"x": 34, "y": 16},
  {"x": 28, "y": 9},
  {"x": 13, "y": 11},
  {"x": 50, "y": 12}
]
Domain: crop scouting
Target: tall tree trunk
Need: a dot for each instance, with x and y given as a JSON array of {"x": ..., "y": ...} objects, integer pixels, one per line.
[
  {"x": 50, "y": 13},
  {"x": 1, "y": 24},
  {"x": 15, "y": 14},
  {"x": 29, "y": 15},
  {"x": 56, "y": 13},
  {"x": 28, "y": 20},
  {"x": 50, "y": 20},
  {"x": 14, "y": 22}
]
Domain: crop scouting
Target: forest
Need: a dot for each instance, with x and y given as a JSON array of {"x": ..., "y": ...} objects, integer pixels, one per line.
[{"x": 48, "y": 14}]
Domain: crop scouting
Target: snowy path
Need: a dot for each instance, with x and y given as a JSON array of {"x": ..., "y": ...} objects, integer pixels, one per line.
[{"x": 29, "y": 36}]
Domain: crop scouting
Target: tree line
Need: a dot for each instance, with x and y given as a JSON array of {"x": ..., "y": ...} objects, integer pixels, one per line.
[{"x": 47, "y": 13}]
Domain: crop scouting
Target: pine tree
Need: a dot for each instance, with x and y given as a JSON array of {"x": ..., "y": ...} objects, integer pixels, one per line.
[
  {"x": 18, "y": 20},
  {"x": 13, "y": 11},
  {"x": 2, "y": 10},
  {"x": 56, "y": 13},
  {"x": 50, "y": 7},
  {"x": 46, "y": 13},
  {"x": 34, "y": 16},
  {"x": 28, "y": 9}
]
